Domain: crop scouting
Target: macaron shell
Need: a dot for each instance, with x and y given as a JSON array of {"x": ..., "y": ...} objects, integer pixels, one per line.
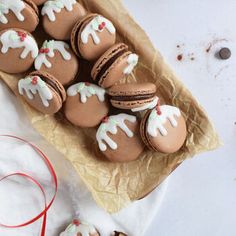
[
  {"x": 29, "y": 24},
  {"x": 65, "y": 71},
  {"x": 65, "y": 20},
  {"x": 115, "y": 73},
  {"x": 39, "y": 2},
  {"x": 87, "y": 114},
  {"x": 11, "y": 62},
  {"x": 128, "y": 149}
]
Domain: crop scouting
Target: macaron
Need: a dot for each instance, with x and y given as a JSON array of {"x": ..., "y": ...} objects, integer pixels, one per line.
[
  {"x": 60, "y": 16},
  {"x": 57, "y": 58},
  {"x": 86, "y": 104},
  {"x": 42, "y": 91},
  {"x": 18, "y": 49},
  {"x": 115, "y": 64},
  {"x": 119, "y": 139},
  {"x": 21, "y": 14},
  {"x": 133, "y": 96},
  {"x": 39, "y": 2},
  {"x": 92, "y": 36},
  {"x": 163, "y": 129}
]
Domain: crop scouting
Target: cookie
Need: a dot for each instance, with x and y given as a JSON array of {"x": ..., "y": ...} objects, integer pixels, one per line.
[
  {"x": 86, "y": 104},
  {"x": 18, "y": 49},
  {"x": 77, "y": 228},
  {"x": 18, "y": 14},
  {"x": 56, "y": 58},
  {"x": 60, "y": 16},
  {"x": 92, "y": 36},
  {"x": 135, "y": 97},
  {"x": 115, "y": 64},
  {"x": 163, "y": 129},
  {"x": 42, "y": 91},
  {"x": 119, "y": 139},
  {"x": 39, "y": 2}
]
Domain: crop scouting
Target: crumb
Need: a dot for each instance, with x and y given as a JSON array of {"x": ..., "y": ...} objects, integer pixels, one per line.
[
  {"x": 215, "y": 41},
  {"x": 192, "y": 58},
  {"x": 180, "y": 57},
  {"x": 235, "y": 123},
  {"x": 178, "y": 46},
  {"x": 221, "y": 70}
]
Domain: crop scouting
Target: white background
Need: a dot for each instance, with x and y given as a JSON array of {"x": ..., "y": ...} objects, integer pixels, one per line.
[{"x": 201, "y": 195}]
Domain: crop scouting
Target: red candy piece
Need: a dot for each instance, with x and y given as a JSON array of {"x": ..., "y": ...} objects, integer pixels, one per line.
[
  {"x": 46, "y": 50},
  {"x": 22, "y": 36},
  {"x": 105, "y": 119},
  {"x": 102, "y": 26},
  {"x": 34, "y": 81},
  {"x": 76, "y": 222}
]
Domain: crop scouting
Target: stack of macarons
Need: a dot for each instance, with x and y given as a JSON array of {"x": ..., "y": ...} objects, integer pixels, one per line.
[{"x": 53, "y": 82}]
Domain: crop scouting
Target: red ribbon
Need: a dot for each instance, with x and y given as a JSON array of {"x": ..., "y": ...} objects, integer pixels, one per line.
[{"x": 46, "y": 208}]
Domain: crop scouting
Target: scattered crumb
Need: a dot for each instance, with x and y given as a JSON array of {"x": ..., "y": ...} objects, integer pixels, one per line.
[
  {"x": 192, "y": 58},
  {"x": 180, "y": 57},
  {"x": 215, "y": 41},
  {"x": 235, "y": 123},
  {"x": 220, "y": 71},
  {"x": 178, "y": 46}
]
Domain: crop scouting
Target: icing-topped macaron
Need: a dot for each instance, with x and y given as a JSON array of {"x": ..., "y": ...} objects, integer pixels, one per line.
[
  {"x": 60, "y": 16},
  {"x": 163, "y": 129},
  {"x": 77, "y": 228},
  {"x": 42, "y": 91},
  {"x": 18, "y": 49},
  {"x": 92, "y": 36},
  {"x": 115, "y": 64},
  {"x": 39, "y": 2},
  {"x": 56, "y": 58},
  {"x": 119, "y": 139},
  {"x": 86, "y": 104},
  {"x": 21, "y": 14},
  {"x": 133, "y": 96}
]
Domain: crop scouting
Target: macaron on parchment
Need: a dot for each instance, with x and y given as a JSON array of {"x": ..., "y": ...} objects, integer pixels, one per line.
[
  {"x": 42, "y": 91},
  {"x": 133, "y": 96},
  {"x": 86, "y": 104},
  {"x": 18, "y": 49},
  {"x": 114, "y": 65},
  {"x": 21, "y": 14},
  {"x": 119, "y": 139},
  {"x": 92, "y": 36},
  {"x": 57, "y": 58},
  {"x": 60, "y": 16},
  {"x": 163, "y": 129}
]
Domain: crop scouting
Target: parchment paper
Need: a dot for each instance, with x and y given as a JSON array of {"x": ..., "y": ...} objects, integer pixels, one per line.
[{"x": 113, "y": 186}]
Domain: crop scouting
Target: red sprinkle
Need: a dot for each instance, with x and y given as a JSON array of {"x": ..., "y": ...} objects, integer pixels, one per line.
[
  {"x": 76, "y": 222},
  {"x": 102, "y": 26},
  {"x": 46, "y": 50},
  {"x": 105, "y": 119},
  {"x": 158, "y": 108},
  {"x": 34, "y": 80},
  {"x": 22, "y": 36}
]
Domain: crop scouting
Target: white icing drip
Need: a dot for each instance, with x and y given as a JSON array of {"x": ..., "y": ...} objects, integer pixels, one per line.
[
  {"x": 55, "y": 6},
  {"x": 51, "y": 46},
  {"x": 132, "y": 61},
  {"x": 147, "y": 106},
  {"x": 86, "y": 91},
  {"x": 84, "y": 228},
  {"x": 93, "y": 26},
  {"x": 16, "y": 6},
  {"x": 156, "y": 122},
  {"x": 10, "y": 39},
  {"x": 111, "y": 126},
  {"x": 31, "y": 89}
]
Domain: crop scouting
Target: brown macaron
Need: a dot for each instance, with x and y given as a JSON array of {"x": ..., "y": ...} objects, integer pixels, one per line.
[
  {"x": 39, "y": 2},
  {"x": 92, "y": 36},
  {"x": 21, "y": 14},
  {"x": 163, "y": 129},
  {"x": 119, "y": 139},
  {"x": 59, "y": 17},
  {"x": 42, "y": 91},
  {"x": 86, "y": 104},
  {"x": 57, "y": 58},
  {"x": 115, "y": 64},
  {"x": 133, "y": 96},
  {"x": 18, "y": 49}
]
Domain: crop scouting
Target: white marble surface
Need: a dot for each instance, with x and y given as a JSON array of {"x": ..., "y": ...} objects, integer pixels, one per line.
[{"x": 201, "y": 196}]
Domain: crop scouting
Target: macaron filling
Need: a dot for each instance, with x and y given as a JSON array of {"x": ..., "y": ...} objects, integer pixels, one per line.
[{"x": 133, "y": 97}]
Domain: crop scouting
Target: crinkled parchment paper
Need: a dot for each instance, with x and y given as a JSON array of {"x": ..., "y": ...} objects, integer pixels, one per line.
[{"x": 113, "y": 186}]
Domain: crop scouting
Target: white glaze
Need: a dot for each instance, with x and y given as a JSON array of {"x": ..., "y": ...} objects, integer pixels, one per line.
[
  {"x": 52, "y": 45},
  {"x": 112, "y": 126},
  {"x": 84, "y": 228},
  {"x": 86, "y": 91},
  {"x": 16, "y": 6},
  {"x": 10, "y": 39},
  {"x": 25, "y": 85},
  {"x": 147, "y": 106},
  {"x": 156, "y": 122},
  {"x": 55, "y": 6},
  {"x": 132, "y": 61},
  {"x": 93, "y": 26}
]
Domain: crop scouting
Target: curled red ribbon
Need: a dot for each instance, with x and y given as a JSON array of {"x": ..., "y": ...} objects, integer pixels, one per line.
[{"x": 53, "y": 173}]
